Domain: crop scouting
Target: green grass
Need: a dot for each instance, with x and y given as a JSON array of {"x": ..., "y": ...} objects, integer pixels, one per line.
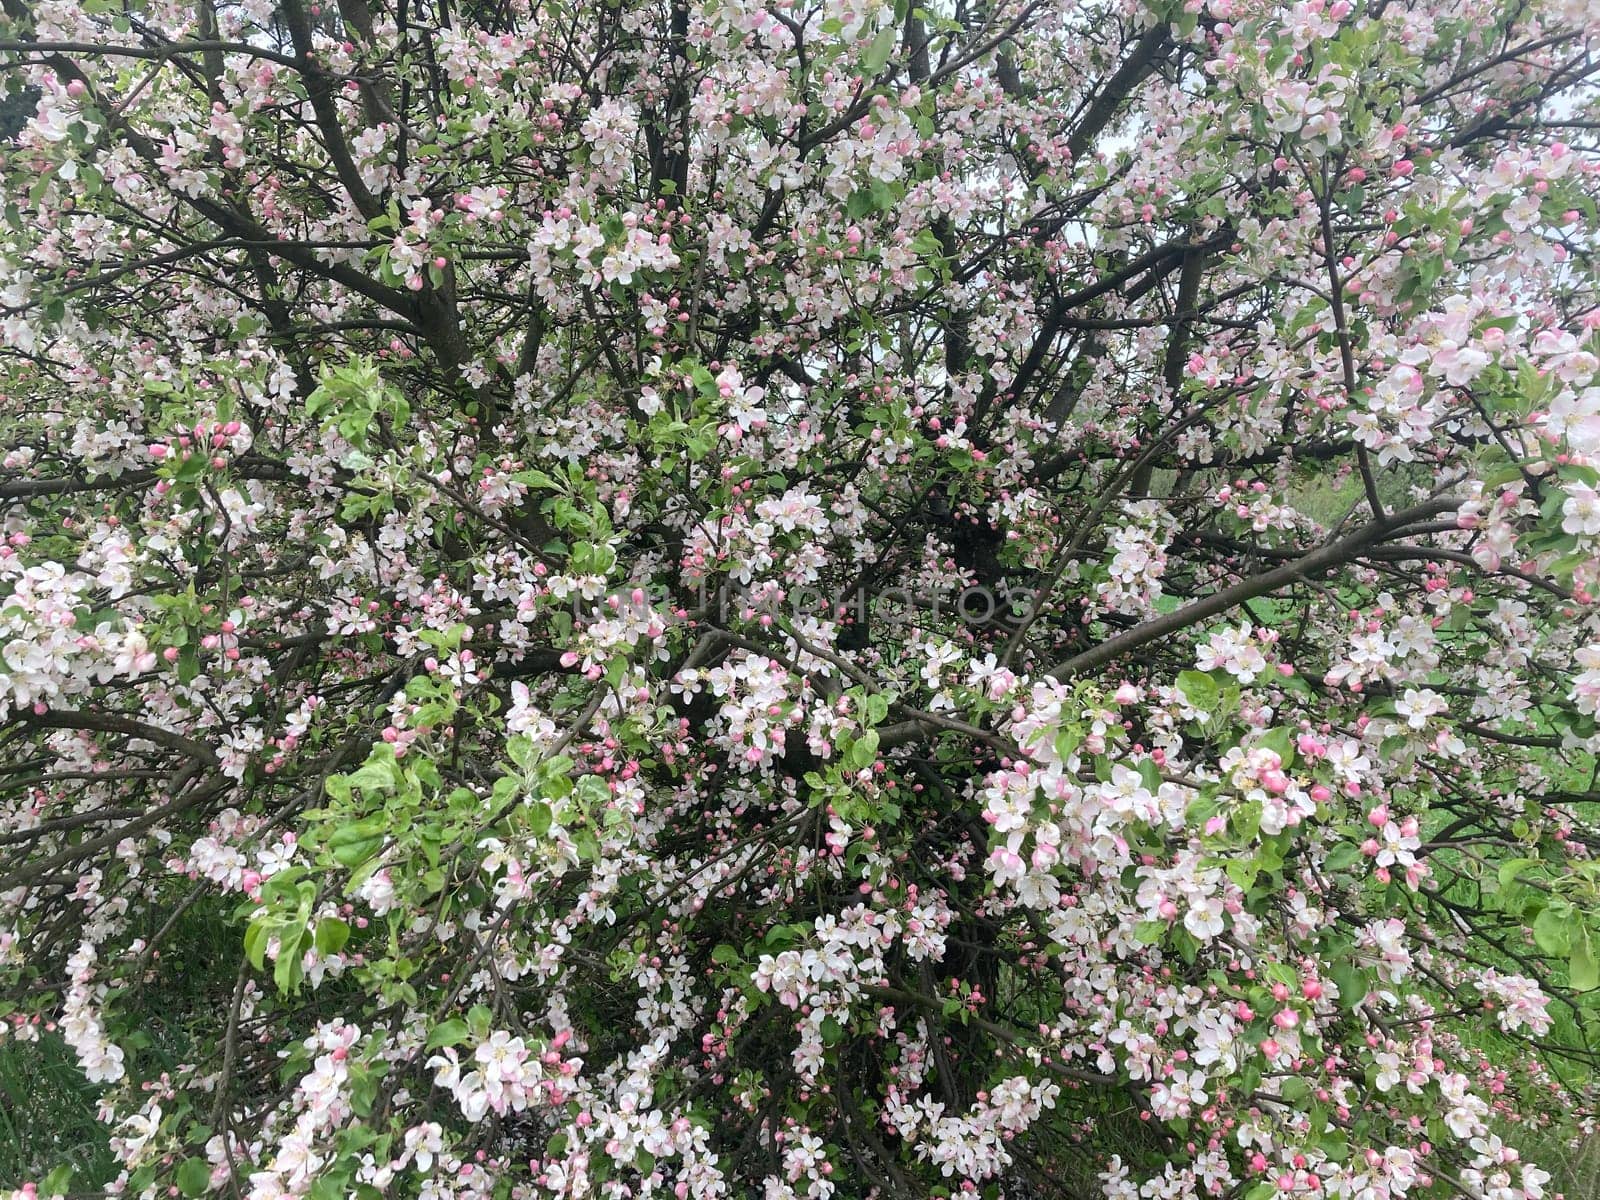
[
  {"x": 47, "y": 1116},
  {"x": 1574, "y": 1165},
  {"x": 1324, "y": 501},
  {"x": 48, "y": 1111}
]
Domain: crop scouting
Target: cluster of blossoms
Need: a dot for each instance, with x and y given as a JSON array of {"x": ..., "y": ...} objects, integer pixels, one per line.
[
  {"x": 506, "y": 1075},
  {"x": 972, "y": 1145},
  {"x": 1138, "y": 559},
  {"x": 45, "y": 657},
  {"x": 1522, "y": 1003},
  {"x": 756, "y": 705},
  {"x": 718, "y": 600},
  {"x": 81, "y": 1025},
  {"x": 1236, "y": 651}
]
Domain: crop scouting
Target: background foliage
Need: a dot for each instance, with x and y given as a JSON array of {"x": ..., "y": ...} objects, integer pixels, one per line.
[{"x": 842, "y": 599}]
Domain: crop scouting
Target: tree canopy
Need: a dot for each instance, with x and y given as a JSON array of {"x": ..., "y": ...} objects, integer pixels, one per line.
[{"x": 757, "y": 598}]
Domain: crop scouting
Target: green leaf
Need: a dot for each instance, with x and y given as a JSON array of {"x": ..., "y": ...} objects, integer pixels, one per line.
[
  {"x": 1343, "y": 856},
  {"x": 588, "y": 846},
  {"x": 194, "y": 1176},
  {"x": 724, "y": 955},
  {"x": 927, "y": 244},
  {"x": 373, "y": 777},
  {"x": 450, "y": 1033},
  {"x": 876, "y": 708},
  {"x": 864, "y": 750},
  {"x": 1243, "y": 872},
  {"x": 1150, "y": 775},
  {"x": 288, "y": 971},
  {"x": 1510, "y": 870},
  {"x": 357, "y": 831},
  {"x": 255, "y": 944},
  {"x": 1352, "y": 983},
  {"x": 1200, "y": 690},
  {"x": 1150, "y": 932},
  {"x": 880, "y": 50},
  {"x": 1200, "y": 810},
  {"x": 332, "y": 934},
  {"x": 859, "y": 204},
  {"x": 1552, "y": 930},
  {"x": 1187, "y": 944},
  {"x": 353, "y": 854},
  {"x": 1583, "y": 972},
  {"x": 1279, "y": 741}
]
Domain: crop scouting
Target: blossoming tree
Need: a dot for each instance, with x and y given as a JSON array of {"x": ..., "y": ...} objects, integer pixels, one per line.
[{"x": 720, "y": 598}]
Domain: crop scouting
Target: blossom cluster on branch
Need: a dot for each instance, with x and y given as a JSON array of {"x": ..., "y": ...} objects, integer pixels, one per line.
[{"x": 483, "y": 713}]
